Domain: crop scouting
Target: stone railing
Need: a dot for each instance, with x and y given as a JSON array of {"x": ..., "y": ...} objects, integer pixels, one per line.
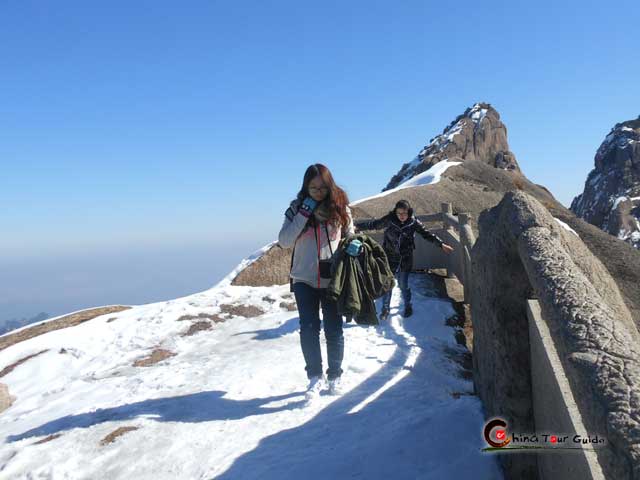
[
  {"x": 554, "y": 405},
  {"x": 554, "y": 346},
  {"x": 456, "y": 231}
]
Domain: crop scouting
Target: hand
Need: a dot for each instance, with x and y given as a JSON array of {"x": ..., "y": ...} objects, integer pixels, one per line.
[
  {"x": 354, "y": 248},
  {"x": 308, "y": 206},
  {"x": 446, "y": 248}
]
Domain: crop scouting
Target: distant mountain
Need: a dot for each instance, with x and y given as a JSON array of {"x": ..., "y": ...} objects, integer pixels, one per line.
[
  {"x": 611, "y": 197},
  {"x": 15, "y": 323},
  {"x": 477, "y": 134}
]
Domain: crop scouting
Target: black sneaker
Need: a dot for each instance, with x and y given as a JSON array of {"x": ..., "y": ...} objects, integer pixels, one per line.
[
  {"x": 408, "y": 311},
  {"x": 385, "y": 314}
]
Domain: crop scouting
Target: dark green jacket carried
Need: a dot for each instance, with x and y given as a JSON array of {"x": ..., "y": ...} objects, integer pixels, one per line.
[{"x": 357, "y": 281}]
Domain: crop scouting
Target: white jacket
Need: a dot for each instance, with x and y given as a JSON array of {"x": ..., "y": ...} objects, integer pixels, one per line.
[{"x": 305, "y": 266}]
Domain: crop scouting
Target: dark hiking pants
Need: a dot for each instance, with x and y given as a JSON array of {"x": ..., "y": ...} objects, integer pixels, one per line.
[{"x": 309, "y": 301}]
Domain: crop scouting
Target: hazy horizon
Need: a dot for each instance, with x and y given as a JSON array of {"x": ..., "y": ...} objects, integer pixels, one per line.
[{"x": 68, "y": 283}]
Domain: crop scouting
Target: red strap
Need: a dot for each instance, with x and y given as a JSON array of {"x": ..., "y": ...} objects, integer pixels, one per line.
[{"x": 318, "y": 245}]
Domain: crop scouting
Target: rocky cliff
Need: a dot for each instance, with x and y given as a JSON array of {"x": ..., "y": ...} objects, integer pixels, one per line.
[
  {"x": 611, "y": 196},
  {"x": 477, "y": 134}
]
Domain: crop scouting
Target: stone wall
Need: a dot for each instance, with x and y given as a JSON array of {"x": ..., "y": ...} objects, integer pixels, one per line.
[{"x": 522, "y": 252}]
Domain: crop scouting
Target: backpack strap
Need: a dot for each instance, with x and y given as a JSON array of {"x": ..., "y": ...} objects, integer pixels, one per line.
[{"x": 326, "y": 230}]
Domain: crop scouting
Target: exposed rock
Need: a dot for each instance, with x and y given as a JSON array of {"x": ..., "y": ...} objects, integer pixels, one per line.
[
  {"x": 48, "y": 439},
  {"x": 62, "y": 322},
  {"x": 197, "y": 327},
  {"x": 157, "y": 355},
  {"x": 208, "y": 316},
  {"x": 118, "y": 432},
  {"x": 290, "y": 306},
  {"x": 477, "y": 134},
  {"x": 522, "y": 252},
  {"x": 611, "y": 196},
  {"x": 15, "y": 323},
  {"x": 247, "y": 311},
  {"x": 9, "y": 368},
  {"x": 6, "y": 399},
  {"x": 270, "y": 269}
]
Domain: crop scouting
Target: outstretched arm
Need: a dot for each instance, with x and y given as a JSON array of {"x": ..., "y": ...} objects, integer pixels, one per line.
[
  {"x": 427, "y": 235},
  {"x": 375, "y": 224}
]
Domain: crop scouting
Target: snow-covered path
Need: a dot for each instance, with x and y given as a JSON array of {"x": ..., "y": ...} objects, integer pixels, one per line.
[{"x": 229, "y": 404}]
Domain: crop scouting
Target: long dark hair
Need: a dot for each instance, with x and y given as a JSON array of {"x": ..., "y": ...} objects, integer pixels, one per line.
[
  {"x": 403, "y": 204},
  {"x": 336, "y": 198}
]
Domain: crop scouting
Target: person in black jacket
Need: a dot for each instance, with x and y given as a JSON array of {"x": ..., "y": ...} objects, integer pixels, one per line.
[{"x": 400, "y": 229}]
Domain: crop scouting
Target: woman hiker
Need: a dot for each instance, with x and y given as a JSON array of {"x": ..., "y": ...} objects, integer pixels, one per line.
[
  {"x": 398, "y": 244},
  {"x": 314, "y": 224}
]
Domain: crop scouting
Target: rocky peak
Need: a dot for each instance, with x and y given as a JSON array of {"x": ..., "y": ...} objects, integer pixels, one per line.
[
  {"x": 477, "y": 134},
  {"x": 611, "y": 196}
]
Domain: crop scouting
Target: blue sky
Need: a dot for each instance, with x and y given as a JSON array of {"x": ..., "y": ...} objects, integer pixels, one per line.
[{"x": 152, "y": 129}]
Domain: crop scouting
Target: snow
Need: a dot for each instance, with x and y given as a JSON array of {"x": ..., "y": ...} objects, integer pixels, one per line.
[
  {"x": 594, "y": 179},
  {"x": 229, "y": 404},
  {"x": 566, "y": 227},
  {"x": 457, "y": 129},
  {"x": 428, "y": 177},
  {"x": 478, "y": 113},
  {"x": 618, "y": 200},
  {"x": 411, "y": 166},
  {"x": 634, "y": 235},
  {"x": 622, "y": 140}
]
